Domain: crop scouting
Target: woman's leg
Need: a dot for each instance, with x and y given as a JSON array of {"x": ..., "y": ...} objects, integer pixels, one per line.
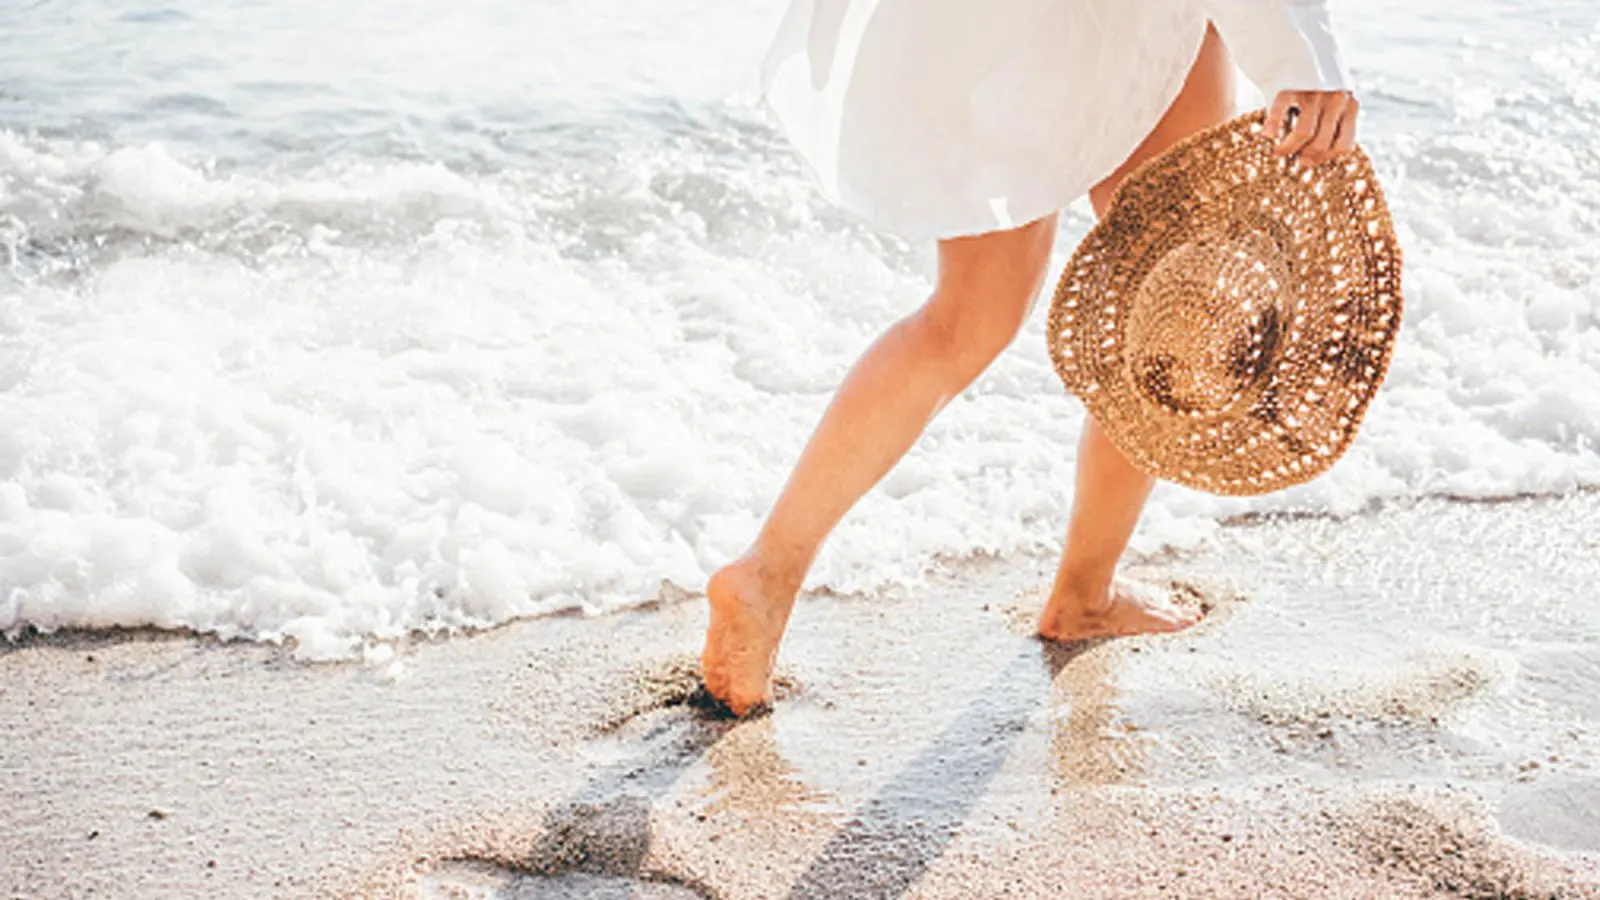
[
  {"x": 1110, "y": 492},
  {"x": 986, "y": 285}
]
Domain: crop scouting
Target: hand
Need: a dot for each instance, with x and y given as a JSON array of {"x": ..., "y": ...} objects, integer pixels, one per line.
[{"x": 1324, "y": 124}]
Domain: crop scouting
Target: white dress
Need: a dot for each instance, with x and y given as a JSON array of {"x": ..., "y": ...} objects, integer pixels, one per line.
[{"x": 951, "y": 117}]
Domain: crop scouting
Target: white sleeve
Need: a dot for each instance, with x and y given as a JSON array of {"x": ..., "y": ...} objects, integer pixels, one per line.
[{"x": 1283, "y": 44}]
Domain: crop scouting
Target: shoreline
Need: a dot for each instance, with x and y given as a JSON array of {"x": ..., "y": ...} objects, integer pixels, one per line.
[
  {"x": 929, "y": 746},
  {"x": 671, "y": 593}
]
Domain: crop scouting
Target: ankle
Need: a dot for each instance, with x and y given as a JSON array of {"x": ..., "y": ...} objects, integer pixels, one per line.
[
  {"x": 753, "y": 586},
  {"x": 1082, "y": 594},
  {"x": 779, "y": 564}
]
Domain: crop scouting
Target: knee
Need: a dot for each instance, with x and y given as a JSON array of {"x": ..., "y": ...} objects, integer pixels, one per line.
[
  {"x": 967, "y": 326},
  {"x": 987, "y": 286},
  {"x": 967, "y": 334}
]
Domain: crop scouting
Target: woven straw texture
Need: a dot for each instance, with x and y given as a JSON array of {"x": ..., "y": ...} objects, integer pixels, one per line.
[{"x": 1230, "y": 319}]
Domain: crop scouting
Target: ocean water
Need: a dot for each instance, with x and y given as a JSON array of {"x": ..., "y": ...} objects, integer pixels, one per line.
[{"x": 338, "y": 322}]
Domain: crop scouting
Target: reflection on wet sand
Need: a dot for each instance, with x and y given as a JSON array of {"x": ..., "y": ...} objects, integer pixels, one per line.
[{"x": 1090, "y": 745}]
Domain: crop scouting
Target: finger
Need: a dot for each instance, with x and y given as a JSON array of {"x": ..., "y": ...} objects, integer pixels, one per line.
[
  {"x": 1346, "y": 142},
  {"x": 1281, "y": 104},
  {"x": 1320, "y": 147},
  {"x": 1305, "y": 128}
]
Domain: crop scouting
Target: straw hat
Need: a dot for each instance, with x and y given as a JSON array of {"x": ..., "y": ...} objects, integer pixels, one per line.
[{"x": 1233, "y": 314}]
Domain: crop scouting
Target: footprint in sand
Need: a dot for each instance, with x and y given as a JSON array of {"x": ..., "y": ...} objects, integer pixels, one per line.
[
  {"x": 668, "y": 683},
  {"x": 1417, "y": 688}
]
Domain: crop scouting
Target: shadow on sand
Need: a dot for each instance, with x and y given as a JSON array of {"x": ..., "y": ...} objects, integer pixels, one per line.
[{"x": 603, "y": 830}]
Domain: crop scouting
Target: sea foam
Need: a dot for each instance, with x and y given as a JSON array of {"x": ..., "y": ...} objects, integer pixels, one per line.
[{"x": 345, "y": 401}]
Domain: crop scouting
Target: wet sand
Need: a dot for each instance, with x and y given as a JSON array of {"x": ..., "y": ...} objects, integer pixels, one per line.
[{"x": 1360, "y": 716}]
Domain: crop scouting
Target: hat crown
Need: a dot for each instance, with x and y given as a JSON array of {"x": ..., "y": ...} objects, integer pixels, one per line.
[
  {"x": 1229, "y": 319},
  {"x": 1203, "y": 334}
]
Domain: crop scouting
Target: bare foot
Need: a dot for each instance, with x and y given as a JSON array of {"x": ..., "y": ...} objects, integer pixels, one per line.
[
  {"x": 1123, "y": 610},
  {"x": 749, "y": 609}
]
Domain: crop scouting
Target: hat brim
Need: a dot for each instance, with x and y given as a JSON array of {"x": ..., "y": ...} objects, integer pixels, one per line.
[{"x": 1336, "y": 340}]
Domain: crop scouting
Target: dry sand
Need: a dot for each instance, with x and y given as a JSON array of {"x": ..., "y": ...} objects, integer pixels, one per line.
[{"x": 925, "y": 746}]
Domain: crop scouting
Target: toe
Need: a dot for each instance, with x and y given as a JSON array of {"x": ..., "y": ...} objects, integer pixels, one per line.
[
  {"x": 1184, "y": 618},
  {"x": 1168, "y": 624}
]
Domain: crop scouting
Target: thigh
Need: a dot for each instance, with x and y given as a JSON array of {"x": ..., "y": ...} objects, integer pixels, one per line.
[
  {"x": 1206, "y": 100},
  {"x": 1006, "y": 254},
  {"x": 996, "y": 275}
]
